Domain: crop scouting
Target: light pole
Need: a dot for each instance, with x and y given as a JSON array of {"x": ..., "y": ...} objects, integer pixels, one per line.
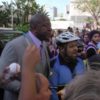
[
  {"x": 12, "y": 15},
  {"x": 30, "y": 12}
]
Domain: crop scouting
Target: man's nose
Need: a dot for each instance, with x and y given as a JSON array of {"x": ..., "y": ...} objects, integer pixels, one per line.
[
  {"x": 50, "y": 29},
  {"x": 76, "y": 48}
]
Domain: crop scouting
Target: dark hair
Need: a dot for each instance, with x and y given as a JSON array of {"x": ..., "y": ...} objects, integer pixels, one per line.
[
  {"x": 37, "y": 19},
  {"x": 92, "y": 33},
  {"x": 70, "y": 29},
  {"x": 59, "y": 31},
  {"x": 60, "y": 44},
  {"x": 94, "y": 62},
  {"x": 84, "y": 87}
]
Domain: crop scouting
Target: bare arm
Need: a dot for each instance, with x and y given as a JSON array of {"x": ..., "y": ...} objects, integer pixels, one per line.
[{"x": 28, "y": 86}]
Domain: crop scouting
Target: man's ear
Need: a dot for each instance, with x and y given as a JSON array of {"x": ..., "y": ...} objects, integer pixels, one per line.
[{"x": 34, "y": 29}]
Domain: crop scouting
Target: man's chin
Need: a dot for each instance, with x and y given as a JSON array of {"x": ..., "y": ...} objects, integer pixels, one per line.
[
  {"x": 74, "y": 56},
  {"x": 47, "y": 39}
]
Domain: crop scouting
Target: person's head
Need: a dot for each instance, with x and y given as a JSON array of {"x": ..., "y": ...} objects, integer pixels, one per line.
[
  {"x": 70, "y": 29},
  {"x": 59, "y": 31},
  {"x": 94, "y": 36},
  {"x": 84, "y": 87},
  {"x": 41, "y": 27},
  {"x": 80, "y": 46},
  {"x": 94, "y": 62},
  {"x": 86, "y": 38},
  {"x": 67, "y": 44}
]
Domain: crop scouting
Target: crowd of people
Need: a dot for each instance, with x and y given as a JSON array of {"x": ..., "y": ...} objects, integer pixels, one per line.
[{"x": 61, "y": 67}]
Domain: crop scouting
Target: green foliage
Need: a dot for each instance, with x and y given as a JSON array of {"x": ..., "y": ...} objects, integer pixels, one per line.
[
  {"x": 5, "y": 14},
  {"x": 41, "y": 10},
  {"x": 4, "y": 19},
  {"x": 23, "y": 27},
  {"x": 26, "y": 7},
  {"x": 21, "y": 9},
  {"x": 90, "y": 6},
  {"x": 62, "y": 19},
  {"x": 89, "y": 20}
]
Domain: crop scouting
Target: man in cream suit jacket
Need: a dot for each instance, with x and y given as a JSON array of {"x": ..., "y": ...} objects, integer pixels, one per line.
[{"x": 40, "y": 30}]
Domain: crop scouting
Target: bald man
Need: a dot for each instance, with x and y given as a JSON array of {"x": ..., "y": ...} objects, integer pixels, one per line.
[{"x": 39, "y": 31}]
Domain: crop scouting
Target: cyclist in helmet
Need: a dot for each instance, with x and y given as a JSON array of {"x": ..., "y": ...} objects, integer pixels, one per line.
[{"x": 66, "y": 65}]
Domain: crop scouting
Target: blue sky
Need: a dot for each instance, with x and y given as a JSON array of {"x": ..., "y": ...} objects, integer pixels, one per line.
[{"x": 60, "y": 4}]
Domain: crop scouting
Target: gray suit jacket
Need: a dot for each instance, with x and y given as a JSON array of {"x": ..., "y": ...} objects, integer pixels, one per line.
[{"x": 13, "y": 52}]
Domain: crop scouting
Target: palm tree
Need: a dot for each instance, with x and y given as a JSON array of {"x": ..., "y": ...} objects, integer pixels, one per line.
[
  {"x": 5, "y": 14},
  {"x": 26, "y": 7}
]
